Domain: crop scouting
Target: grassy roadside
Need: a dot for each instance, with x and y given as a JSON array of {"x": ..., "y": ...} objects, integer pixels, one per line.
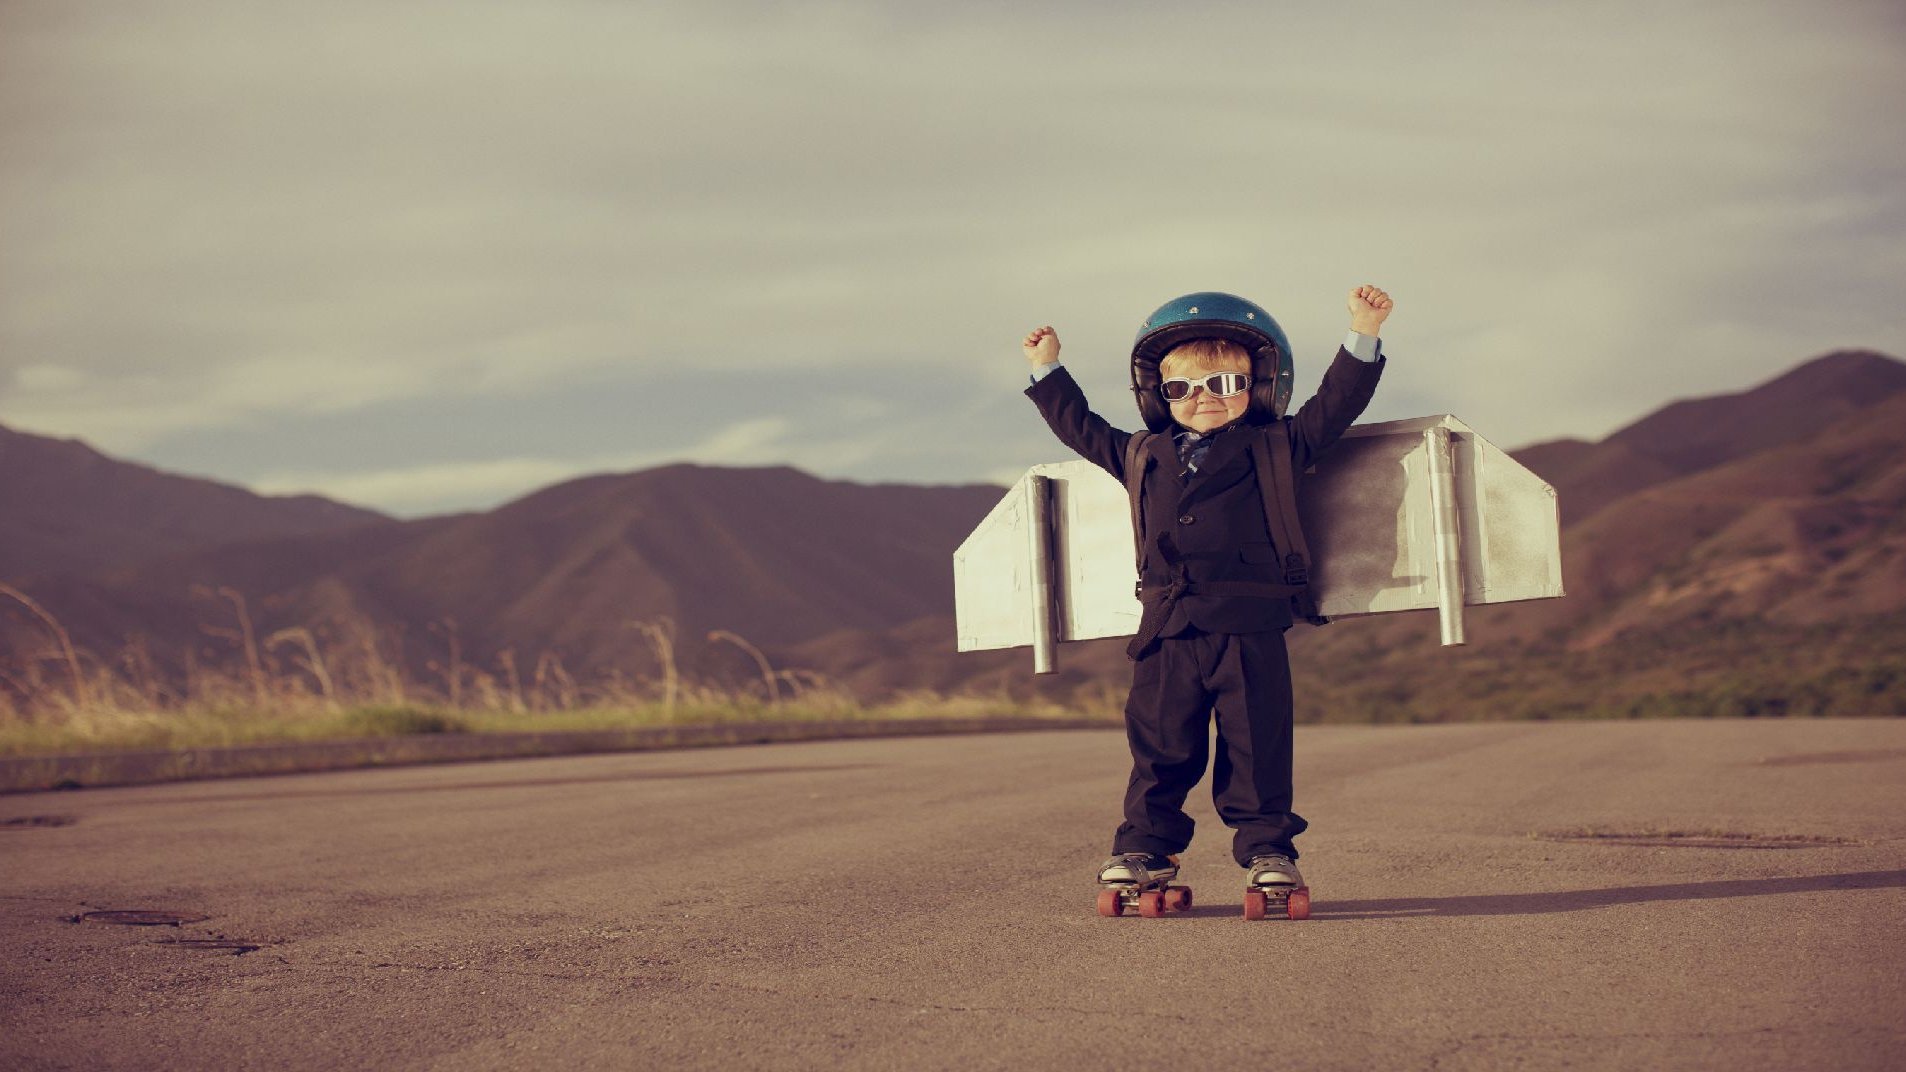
[
  {"x": 1729, "y": 669},
  {"x": 300, "y": 686},
  {"x": 1353, "y": 672},
  {"x": 96, "y": 730}
]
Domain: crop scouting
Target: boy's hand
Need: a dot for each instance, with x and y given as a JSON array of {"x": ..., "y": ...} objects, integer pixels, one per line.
[
  {"x": 1041, "y": 346},
  {"x": 1369, "y": 308}
]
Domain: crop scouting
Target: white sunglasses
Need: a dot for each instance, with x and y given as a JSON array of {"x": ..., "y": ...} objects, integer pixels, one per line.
[{"x": 1215, "y": 384}]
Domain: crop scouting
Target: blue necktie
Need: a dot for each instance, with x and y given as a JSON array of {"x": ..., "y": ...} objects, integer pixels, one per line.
[{"x": 1191, "y": 449}]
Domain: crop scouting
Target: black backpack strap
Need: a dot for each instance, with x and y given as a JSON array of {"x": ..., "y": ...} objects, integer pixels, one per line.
[
  {"x": 1137, "y": 461},
  {"x": 1277, "y": 485}
]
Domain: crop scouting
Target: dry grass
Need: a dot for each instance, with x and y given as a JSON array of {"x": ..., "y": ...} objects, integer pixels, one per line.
[
  {"x": 298, "y": 685},
  {"x": 1849, "y": 668},
  {"x": 302, "y": 684}
]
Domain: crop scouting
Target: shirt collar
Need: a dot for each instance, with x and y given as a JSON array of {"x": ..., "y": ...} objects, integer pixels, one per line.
[{"x": 1181, "y": 433}]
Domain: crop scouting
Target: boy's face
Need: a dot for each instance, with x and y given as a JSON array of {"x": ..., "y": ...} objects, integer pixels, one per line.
[{"x": 1199, "y": 411}]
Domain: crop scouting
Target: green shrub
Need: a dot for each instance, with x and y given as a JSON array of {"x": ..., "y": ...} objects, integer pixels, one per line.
[{"x": 401, "y": 721}]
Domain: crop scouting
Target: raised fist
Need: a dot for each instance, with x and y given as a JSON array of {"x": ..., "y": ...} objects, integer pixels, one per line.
[
  {"x": 1041, "y": 346},
  {"x": 1369, "y": 308}
]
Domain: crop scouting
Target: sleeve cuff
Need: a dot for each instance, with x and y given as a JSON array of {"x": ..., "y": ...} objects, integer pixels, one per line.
[
  {"x": 1040, "y": 372},
  {"x": 1365, "y": 348}
]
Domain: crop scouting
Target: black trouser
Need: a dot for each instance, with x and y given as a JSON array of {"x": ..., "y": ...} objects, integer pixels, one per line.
[{"x": 1176, "y": 686}]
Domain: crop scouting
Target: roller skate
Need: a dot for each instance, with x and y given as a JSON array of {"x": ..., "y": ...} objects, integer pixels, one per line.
[
  {"x": 1275, "y": 884},
  {"x": 1141, "y": 879}
]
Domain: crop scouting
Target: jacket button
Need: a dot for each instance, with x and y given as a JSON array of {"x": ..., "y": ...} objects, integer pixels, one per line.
[{"x": 1186, "y": 520}]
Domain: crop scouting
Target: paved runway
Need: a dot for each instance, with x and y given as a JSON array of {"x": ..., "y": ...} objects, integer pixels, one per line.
[{"x": 1487, "y": 896}]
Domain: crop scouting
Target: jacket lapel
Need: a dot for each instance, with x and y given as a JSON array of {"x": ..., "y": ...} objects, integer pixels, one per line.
[
  {"x": 1231, "y": 449},
  {"x": 1164, "y": 452}
]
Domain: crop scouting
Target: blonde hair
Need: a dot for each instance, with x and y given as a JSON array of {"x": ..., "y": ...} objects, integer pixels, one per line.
[{"x": 1210, "y": 355}]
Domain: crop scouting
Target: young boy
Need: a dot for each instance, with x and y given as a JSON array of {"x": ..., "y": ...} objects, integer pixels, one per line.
[{"x": 1213, "y": 371}]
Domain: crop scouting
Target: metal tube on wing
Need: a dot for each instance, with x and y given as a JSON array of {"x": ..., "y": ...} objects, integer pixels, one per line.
[
  {"x": 1449, "y": 543},
  {"x": 1039, "y": 548}
]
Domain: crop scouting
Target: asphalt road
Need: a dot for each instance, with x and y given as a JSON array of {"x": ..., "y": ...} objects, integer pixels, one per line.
[{"x": 1486, "y": 896}]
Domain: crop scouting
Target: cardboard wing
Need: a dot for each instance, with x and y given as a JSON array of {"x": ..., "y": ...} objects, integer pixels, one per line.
[{"x": 1417, "y": 514}]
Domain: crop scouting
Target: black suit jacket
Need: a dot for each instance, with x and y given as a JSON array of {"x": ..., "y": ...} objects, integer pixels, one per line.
[{"x": 1216, "y": 515}]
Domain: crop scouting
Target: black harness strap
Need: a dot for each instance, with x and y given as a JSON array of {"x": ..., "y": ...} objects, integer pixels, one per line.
[
  {"x": 1138, "y": 461},
  {"x": 1158, "y": 600},
  {"x": 1272, "y": 454},
  {"x": 1271, "y": 459}
]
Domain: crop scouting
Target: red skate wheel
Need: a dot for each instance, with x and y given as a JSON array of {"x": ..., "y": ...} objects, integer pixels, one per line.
[
  {"x": 1178, "y": 898},
  {"x": 1151, "y": 904},
  {"x": 1110, "y": 904},
  {"x": 1298, "y": 907},
  {"x": 1256, "y": 905}
]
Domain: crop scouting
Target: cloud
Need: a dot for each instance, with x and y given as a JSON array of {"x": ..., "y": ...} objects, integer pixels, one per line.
[
  {"x": 423, "y": 489},
  {"x": 223, "y": 219},
  {"x": 446, "y": 486}
]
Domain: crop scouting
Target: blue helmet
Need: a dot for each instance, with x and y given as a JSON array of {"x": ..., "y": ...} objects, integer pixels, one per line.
[{"x": 1210, "y": 314}]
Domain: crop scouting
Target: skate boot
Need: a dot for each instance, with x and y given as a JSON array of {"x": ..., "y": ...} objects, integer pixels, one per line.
[
  {"x": 1142, "y": 879},
  {"x": 1275, "y": 884}
]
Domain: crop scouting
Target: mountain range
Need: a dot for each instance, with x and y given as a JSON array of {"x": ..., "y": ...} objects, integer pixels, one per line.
[
  {"x": 71, "y": 509},
  {"x": 1777, "y": 507}
]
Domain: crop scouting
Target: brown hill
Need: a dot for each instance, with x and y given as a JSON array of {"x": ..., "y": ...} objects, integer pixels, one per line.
[
  {"x": 1696, "y": 434},
  {"x": 1778, "y": 508},
  {"x": 1807, "y": 531},
  {"x": 70, "y": 508},
  {"x": 1769, "y": 582},
  {"x": 1779, "y": 504},
  {"x": 773, "y": 555}
]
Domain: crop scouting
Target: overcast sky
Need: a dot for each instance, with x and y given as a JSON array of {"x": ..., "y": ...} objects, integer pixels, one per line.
[{"x": 430, "y": 257}]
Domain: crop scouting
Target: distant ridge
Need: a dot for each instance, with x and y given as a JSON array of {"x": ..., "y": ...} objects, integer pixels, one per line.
[
  {"x": 773, "y": 555},
  {"x": 1763, "y": 510},
  {"x": 1691, "y": 435},
  {"x": 70, "y": 508},
  {"x": 1768, "y": 579}
]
